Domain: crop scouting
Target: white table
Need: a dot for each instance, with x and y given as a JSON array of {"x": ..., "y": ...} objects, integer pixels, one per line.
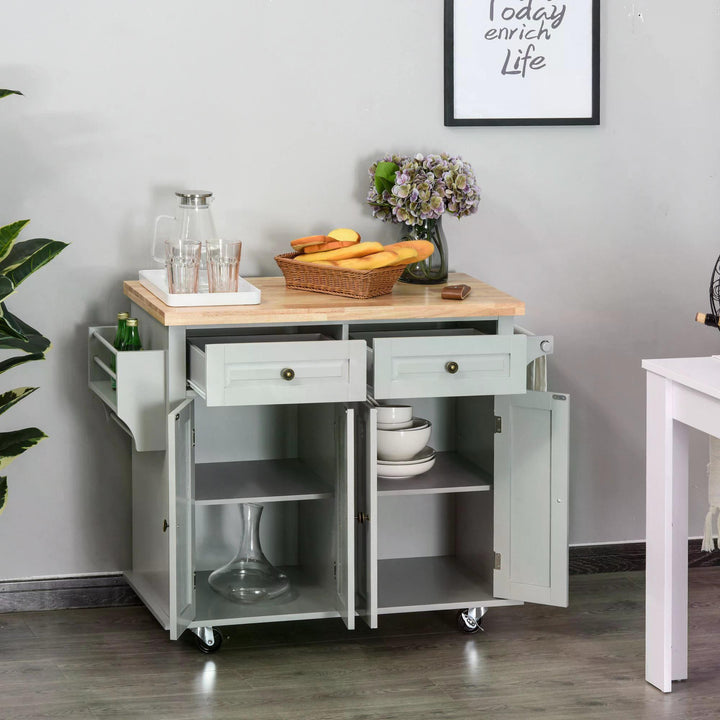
[{"x": 681, "y": 393}]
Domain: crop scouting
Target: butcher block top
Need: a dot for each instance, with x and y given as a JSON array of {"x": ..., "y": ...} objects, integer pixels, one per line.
[{"x": 281, "y": 305}]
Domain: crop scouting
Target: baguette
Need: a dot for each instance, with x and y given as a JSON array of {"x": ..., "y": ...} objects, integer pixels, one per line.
[
  {"x": 352, "y": 251},
  {"x": 370, "y": 262},
  {"x": 405, "y": 255},
  {"x": 303, "y": 242},
  {"x": 331, "y": 245},
  {"x": 424, "y": 248}
]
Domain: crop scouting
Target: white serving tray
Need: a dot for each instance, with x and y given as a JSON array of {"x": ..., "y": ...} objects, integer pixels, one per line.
[{"x": 156, "y": 282}]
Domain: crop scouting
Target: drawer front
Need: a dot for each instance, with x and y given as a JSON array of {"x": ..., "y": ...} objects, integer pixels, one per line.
[
  {"x": 285, "y": 372},
  {"x": 449, "y": 366}
]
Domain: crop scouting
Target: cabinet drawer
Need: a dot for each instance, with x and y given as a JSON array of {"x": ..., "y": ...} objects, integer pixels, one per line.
[
  {"x": 238, "y": 372},
  {"x": 448, "y": 365}
]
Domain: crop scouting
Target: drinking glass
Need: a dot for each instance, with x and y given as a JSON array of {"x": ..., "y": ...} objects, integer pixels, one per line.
[
  {"x": 182, "y": 260},
  {"x": 223, "y": 263}
]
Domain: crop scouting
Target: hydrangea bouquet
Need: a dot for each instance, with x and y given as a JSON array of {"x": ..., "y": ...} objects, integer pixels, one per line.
[{"x": 416, "y": 191}]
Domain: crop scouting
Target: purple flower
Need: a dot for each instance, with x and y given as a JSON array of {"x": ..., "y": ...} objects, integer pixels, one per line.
[{"x": 425, "y": 187}]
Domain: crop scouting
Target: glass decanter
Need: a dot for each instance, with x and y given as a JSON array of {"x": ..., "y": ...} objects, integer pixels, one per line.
[{"x": 249, "y": 577}]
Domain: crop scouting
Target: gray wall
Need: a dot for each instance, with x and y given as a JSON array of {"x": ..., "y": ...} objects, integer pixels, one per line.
[{"x": 608, "y": 233}]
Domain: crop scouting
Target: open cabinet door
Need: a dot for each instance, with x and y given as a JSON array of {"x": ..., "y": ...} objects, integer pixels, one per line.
[
  {"x": 531, "y": 498},
  {"x": 181, "y": 476},
  {"x": 345, "y": 500},
  {"x": 367, "y": 515}
]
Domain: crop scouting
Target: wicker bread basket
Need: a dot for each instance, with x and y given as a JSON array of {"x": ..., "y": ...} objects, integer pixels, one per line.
[{"x": 337, "y": 280}]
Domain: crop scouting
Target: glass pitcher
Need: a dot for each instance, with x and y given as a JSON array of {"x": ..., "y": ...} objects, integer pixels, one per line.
[{"x": 193, "y": 222}]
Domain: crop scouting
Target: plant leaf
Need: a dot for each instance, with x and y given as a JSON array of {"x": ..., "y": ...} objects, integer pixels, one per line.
[
  {"x": 4, "y": 93},
  {"x": 28, "y": 256},
  {"x": 12, "y": 397},
  {"x": 8, "y": 328},
  {"x": 34, "y": 343},
  {"x": 19, "y": 360},
  {"x": 16, "y": 442},
  {"x": 8, "y": 235},
  {"x": 3, "y": 492},
  {"x": 6, "y": 287},
  {"x": 385, "y": 173}
]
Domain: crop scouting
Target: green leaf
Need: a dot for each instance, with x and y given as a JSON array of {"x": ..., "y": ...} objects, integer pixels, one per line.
[
  {"x": 6, "y": 287},
  {"x": 385, "y": 173},
  {"x": 4, "y": 93},
  {"x": 12, "y": 397},
  {"x": 3, "y": 492},
  {"x": 19, "y": 360},
  {"x": 8, "y": 328},
  {"x": 8, "y": 235},
  {"x": 35, "y": 342},
  {"x": 28, "y": 256},
  {"x": 16, "y": 442}
]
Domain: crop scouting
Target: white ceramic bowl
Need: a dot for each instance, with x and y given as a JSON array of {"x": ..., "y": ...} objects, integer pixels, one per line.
[
  {"x": 394, "y": 414},
  {"x": 405, "y": 443},
  {"x": 395, "y": 426},
  {"x": 427, "y": 453},
  {"x": 404, "y": 471}
]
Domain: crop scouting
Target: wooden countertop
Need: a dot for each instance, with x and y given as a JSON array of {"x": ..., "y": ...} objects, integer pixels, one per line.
[{"x": 280, "y": 305}]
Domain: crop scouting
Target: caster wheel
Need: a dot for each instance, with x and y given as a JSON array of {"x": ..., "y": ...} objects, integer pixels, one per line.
[
  {"x": 207, "y": 649},
  {"x": 467, "y": 623}
]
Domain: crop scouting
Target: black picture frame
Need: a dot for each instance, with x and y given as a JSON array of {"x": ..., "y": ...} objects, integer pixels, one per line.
[{"x": 499, "y": 83}]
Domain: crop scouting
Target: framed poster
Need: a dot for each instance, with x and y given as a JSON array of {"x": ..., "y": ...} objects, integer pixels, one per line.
[{"x": 522, "y": 62}]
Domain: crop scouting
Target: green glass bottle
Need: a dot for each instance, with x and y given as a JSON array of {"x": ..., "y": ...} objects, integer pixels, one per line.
[
  {"x": 132, "y": 337},
  {"x": 117, "y": 342}
]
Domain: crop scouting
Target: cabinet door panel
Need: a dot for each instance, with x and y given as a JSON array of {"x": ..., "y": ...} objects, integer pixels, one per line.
[
  {"x": 181, "y": 476},
  {"x": 531, "y": 498},
  {"x": 345, "y": 499},
  {"x": 367, "y": 508}
]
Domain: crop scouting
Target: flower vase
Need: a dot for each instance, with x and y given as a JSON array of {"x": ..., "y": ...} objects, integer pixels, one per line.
[
  {"x": 249, "y": 577},
  {"x": 433, "y": 269}
]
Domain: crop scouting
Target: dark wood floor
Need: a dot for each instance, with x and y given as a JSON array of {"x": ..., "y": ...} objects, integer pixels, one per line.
[{"x": 531, "y": 662}]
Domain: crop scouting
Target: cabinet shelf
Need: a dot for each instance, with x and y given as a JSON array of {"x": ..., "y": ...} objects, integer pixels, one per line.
[
  {"x": 257, "y": 481},
  {"x": 451, "y": 473},
  {"x": 433, "y": 583},
  {"x": 308, "y": 599}
]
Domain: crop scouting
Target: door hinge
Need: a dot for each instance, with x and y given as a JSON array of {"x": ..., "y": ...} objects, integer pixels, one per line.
[
  {"x": 498, "y": 561},
  {"x": 362, "y": 517},
  {"x": 194, "y": 580},
  {"x": 193, "y": 437},
  {"x": 334, "y": 571},
  {"x": 498, "y": 424}
]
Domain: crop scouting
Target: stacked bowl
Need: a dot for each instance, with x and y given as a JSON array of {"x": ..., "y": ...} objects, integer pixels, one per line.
[{"x": 402, "y": 442}]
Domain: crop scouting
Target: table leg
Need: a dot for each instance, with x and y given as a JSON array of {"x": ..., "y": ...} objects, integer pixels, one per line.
[{"x": 666, "y": 591}]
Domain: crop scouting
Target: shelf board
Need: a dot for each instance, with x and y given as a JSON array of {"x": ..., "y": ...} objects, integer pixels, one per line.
[
  {"x": 451, "y": 473},
  {"x": 433, "y": 583},
  {"x": 104, "y": 390},
  {"x": 257, "y": 481},
  {"x": 307, "y": 599}
]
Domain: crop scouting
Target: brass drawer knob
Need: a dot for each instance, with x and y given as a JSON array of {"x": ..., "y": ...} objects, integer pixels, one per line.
[
  {"x": 452, "y": 367},
  {"x": 287, "y": 373}
]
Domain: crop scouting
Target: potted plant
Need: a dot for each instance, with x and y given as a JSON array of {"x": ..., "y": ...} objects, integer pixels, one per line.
[
  {"x": 18, "y": 260},
  {"x": 416, "y": 191}
]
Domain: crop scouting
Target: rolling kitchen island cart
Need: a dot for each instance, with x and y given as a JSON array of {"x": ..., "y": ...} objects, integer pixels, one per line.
[{"x": 274, "y": 403}]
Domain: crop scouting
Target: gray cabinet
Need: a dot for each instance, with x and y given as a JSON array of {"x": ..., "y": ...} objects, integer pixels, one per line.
[{"x": 284, "y": 415}]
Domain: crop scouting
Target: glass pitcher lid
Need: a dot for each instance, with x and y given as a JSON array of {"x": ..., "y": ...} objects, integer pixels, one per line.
[{"x": 194, "y": 198}]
